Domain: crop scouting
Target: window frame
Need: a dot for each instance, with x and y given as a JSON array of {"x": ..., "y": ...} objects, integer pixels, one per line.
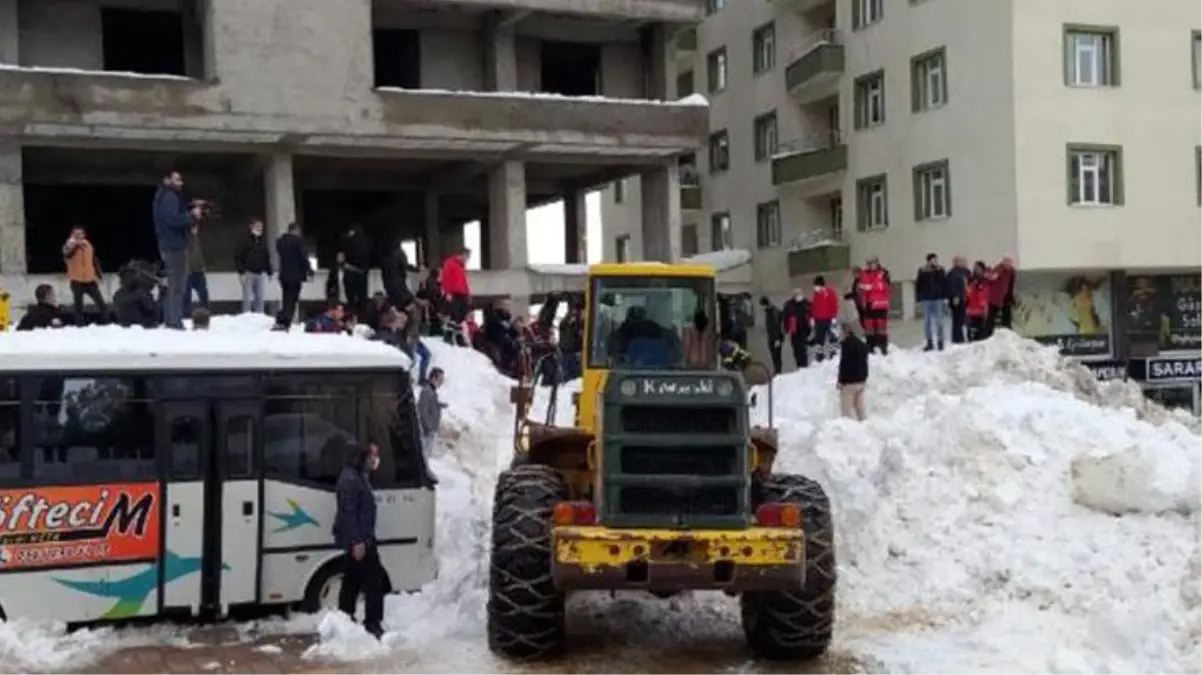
[
  {"x": 714, "y": 6},
  {"x": 1109, "y": 60},
  {"x": 863, "y": 88},
  {"x": 717, "y": 71},
  {"x": 924, "y": 186},
  {"x": 835, "y": 215},
  {"x": 865, "y": 188},
  {"x": 765, "y": 134},
  {"x": 622, "y": 248},
  {"x": 763, "y": 48},
  {"x": 721, "y": 235},
  {"x": 1110, "y": 158},
  {"x": 865, "y": 13},
  {"x": 922, "y": 67},
  {"x": 719, "y": 151},
  {"x": 768, "y": 234}
]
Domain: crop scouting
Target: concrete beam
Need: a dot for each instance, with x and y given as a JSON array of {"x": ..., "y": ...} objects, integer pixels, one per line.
[
  {"x": 511, "y": 18},
  {"x": 673, "y": 11}
]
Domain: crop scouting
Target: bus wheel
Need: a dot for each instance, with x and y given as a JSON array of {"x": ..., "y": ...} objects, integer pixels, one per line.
[{"x": 323, "y": 589}]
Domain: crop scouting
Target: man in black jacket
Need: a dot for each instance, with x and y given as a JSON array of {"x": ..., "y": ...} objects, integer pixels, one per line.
[
  {"x": 930, "y": 290},
  {"x": 774, "y": 324},
  {"x": 957, "y": 295},
  {"x": 253, "y": 263},
  {"x": 853, "y": 374},
  {"x": 796, "y": 318},
  {"x": 45, "y": 312},
  {"x": 355, "y": 533},
  {"x": 295, "y": 269},
  {"x": 395, "y": 274},
  {"x": 354, "y": 257}
]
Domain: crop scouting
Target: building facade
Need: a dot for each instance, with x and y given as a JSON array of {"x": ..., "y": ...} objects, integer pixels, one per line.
[
  {"x": 294, "y": 110},
  {"x": 1065, "y": 134}
]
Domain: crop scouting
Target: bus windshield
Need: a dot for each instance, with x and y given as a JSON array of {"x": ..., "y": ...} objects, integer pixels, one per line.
[{"x": 652, "y": 323}]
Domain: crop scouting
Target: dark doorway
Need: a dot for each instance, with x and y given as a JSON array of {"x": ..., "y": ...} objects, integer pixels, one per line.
[
  {"x": 141, "y": 41},
  {"x": 116, "y": 217},
  {"x": 571, "y": 68},
  {"x": 386, "y": 217},
  {"x": 398, "y": 58}
]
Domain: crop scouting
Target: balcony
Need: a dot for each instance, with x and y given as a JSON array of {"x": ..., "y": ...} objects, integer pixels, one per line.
[
  {"x": 812, "y": 165},
  {"x": 801, "y": 6},
  {"x": 819, "y": 251},
  {"x": 814, "y": 74},
  {"x": 669, "y": 11}
]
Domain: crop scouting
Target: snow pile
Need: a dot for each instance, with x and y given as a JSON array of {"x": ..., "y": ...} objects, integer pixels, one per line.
[
  {"x": 42, "y": 646},
  {"x": 961, "y": 548}
]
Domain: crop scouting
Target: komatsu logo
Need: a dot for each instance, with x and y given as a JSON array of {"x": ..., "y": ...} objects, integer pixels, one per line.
[{"x": 665, "y": 387}]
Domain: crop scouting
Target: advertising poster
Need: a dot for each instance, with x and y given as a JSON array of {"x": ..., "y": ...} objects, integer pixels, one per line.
[
  {"x": 57, "y": 526},
  {"x": 1071, "y": 311},
  {"x": 1165, "y": 309}
]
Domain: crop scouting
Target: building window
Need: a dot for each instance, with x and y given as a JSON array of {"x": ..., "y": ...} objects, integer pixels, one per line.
[
  {"x": 1095, "y": 176},
  {"x": 1091, "y": 57},
  {"x": 715, "y": 6},
  {"x": 866, "y": 12},
  {"x": 688, "y": 240},
  {"x": 932, "y": 191},
  {"x": 716, "y": 70},
  {"x": 767, "y": 225},
  {"x": 619, "y": 190},
  {"x": 835, "y": 218},
  {"x": 928, "y": 80},
  {"x": 719, "y": 151},
  {"x": 764, "y": 129},
  {"x": 870, "y": 100},
  {"x": 720, "y": 236},
  {"x": 622, "y": 248},
  {"x": 872, "y": 203},
  {"x": 763, "y": 48},
  {"x": 1196, "y": 46}
]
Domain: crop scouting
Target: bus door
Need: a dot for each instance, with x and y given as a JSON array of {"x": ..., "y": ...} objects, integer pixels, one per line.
[{"x": 213, "y": 520}]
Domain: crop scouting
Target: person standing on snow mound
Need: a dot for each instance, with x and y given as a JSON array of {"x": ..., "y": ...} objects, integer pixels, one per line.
[
  {"x": 853, "y": 374},
  {"x": 874, "y": 294},
  {"x": 355, "y": 533}
]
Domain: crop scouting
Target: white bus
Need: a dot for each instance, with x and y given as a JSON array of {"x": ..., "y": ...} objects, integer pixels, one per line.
[{"x": 147, "y": 473}]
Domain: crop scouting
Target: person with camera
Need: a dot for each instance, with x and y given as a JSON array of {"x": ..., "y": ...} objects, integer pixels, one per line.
[
  {"x": 173, "y": 221},
  {"x": 83, "y": 271}
]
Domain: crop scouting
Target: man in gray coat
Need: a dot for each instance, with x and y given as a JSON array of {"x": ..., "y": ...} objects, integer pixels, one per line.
[{"x": 429, "y": 408}]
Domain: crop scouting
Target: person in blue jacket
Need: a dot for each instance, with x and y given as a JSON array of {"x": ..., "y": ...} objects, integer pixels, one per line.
[
  {"x": 173, "y": 221},
  {"x": 355, "y": 533}
]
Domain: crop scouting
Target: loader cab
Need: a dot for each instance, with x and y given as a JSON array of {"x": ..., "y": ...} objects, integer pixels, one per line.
[{"x": 645, "y": 316}]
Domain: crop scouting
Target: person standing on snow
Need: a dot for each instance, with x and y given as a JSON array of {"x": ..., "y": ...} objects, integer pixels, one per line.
[
  {"x": 957, "y": 291},
  {"x": 1002, "y": 279},
  {"x": 354, "y": 258},
  {"x": 354, "y": 532},
  {"x": 83, "y": 273},
  {"x": 253, "y": 263},
  {"x": 930, "y": 292},
  {"x": 796, "y": 314},
  {"x": 774, "y": 324},
  {"x": 455, "y": 286},
  {"x": 172, "y": 222},
  {"x": 853, "y": 374},
  {"x": 874, "y": 295},
  {"x": 825, "y": 310},
  {"x": 295, "y": 270},
  {"x": 429, "y": 409},
  {"x": 976, "y": 303}
]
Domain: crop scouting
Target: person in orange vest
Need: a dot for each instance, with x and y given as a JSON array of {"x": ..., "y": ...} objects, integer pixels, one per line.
[
  {"x": 976, "y": 302},
  {"x": 873, "y": 289},
  {"x": 825, "y": 309}
]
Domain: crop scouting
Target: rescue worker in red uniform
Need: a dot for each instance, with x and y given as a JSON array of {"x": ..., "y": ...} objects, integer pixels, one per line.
[
  {"x": 873, "y": 288},
  {"x": 976, "y": 303}
]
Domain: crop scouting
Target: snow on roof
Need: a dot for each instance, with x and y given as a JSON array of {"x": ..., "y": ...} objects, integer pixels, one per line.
[
  {"x": 116, "y": 348},
  {"x": 104, "y": 73},
  {"x": 691, "y": 99}
]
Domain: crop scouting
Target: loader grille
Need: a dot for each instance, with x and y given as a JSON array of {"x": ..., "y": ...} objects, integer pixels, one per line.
[
  {"x": 651, "y": 419},
  {"x": 680, "y": 502},
  {"x": 680, "y": 461}
]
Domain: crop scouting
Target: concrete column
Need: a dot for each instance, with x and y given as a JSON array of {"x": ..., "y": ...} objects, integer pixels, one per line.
[
  {"x": 660, "y": 192},
  {"x": 12, "y": 211},
  {"x": 659, "y": 48},
  {"x": 432, "y": 233},
  {"x": 500, "y": 59},
  {"x": 281, "y": 198},
  {"x": 507, "y": 215},
  {"x": 575, "y": 226},
  {"x": 10, "y": 33}
]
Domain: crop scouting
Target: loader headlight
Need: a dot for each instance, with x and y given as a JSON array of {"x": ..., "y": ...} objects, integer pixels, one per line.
[
  {"x": 725, "y": 388},
  {"x": 628, "y": 388}
]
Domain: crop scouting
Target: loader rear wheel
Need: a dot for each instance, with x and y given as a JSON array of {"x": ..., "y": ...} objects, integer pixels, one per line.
[
  {"x": 525, "y": 610},
  {"x": 795, "y": 625}
]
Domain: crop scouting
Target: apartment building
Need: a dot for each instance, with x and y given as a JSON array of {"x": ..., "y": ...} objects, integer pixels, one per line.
[
  {"x": 1063, "y": 133},
  {"x": 409, "y": 117}
]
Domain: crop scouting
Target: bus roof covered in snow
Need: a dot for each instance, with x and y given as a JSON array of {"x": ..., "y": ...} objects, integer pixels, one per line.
[{"x": 111, "y": 348}]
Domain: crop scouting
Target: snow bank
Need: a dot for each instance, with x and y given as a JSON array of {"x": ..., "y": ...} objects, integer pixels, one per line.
[{"x": 1144, "y": 478}]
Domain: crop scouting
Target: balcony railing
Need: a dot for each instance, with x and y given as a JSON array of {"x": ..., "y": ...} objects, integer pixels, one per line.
[
  {"x": 812, "y": 156},
  {"x": 819, "y": 251},
  {"x": 815, "y": 66}
]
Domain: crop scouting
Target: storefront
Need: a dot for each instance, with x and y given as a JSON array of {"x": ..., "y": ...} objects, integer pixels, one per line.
[
  {"x": 1173, "y": 381},
  {"x": 1072, "y": 311},
  {"x": 1164, "y": 335}
]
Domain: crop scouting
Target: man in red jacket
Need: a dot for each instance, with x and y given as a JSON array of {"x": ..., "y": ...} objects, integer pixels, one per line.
[
  {"x": 1001, "y": 295},
  {"x": 455, "y": 286},
  {"x": 825, "y": 310},
  {"x": 873, "y": 288}
]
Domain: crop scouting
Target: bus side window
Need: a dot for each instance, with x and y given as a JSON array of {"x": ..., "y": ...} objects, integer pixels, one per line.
[
  {"x": 239, "y": 446},
  {"x": 390, "y": 420},
  {"x": 10, "y": 439},
  {"x": 309, "y": 427},
  {"x": 92, "y": 429},
  {"x": 186, "y": 434}
]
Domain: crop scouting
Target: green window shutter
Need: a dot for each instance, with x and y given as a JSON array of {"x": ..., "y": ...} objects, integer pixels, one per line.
[
  {"x": 856, "y": 19},
  {"x": 947, "y": 187},
  {"x": 858, "y": 104},
  {"x": 915, "y": 85},
  {"x": 1116, "y": 60},
  {"x": 1068, "y": 57},
  {"x": 1070, "y": 176},
  {"x": 1118, "y": 177}
]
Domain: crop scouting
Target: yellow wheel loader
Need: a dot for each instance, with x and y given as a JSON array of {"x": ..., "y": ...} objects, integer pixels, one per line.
[{"x": 662, "y": 484}]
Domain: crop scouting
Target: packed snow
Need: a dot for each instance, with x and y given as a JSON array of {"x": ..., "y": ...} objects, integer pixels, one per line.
[
  {"x": 50, "y": 70},
  {"x": 976, "y": 530}
]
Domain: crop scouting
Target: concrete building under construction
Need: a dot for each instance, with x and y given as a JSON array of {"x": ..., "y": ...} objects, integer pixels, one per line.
[{"x": 410, "y": 118}]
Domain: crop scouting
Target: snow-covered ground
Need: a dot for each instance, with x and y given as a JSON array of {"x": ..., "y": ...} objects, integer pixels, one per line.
[{"x": 976, "y": 511}]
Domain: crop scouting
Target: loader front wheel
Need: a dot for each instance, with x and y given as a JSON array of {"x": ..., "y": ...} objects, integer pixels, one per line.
[
  {"x": 797, "y": 624},
  {"x": 525, "y": 610}
]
